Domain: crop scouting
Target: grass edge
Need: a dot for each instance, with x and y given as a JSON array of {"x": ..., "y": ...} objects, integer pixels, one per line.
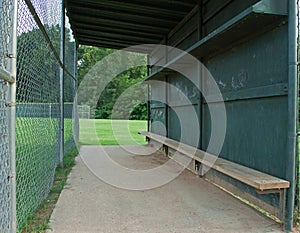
[{"x": 39, "y": 221}]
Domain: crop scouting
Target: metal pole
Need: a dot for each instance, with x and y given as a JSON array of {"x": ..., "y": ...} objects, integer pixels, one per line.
[
  {"x": 61, "y": 87},
  {"x": 75, "y": 68},
  {"x": 148, "y": 97},
  {"x": 12, "y": 113},
  {"x": 292, "y": 113},
  {"x": 166, "y": 92},
  {"x": 75, "y": 109}
]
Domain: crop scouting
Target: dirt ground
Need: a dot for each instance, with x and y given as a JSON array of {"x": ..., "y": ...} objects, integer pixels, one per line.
[{"x": 185, "y": 205}]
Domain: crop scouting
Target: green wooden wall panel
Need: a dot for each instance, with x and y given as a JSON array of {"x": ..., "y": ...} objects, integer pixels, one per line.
[
  {"x": 256, "y": 134},
  {"x": 259, "y": 62},
  {"x": 252, "y": 75},
  {"x": 184, "y": 113}
]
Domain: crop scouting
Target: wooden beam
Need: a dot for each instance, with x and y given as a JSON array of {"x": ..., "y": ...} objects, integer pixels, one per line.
[
  {"x": 115, "y": 13},
  {"x": 86, "y": 19},
  {"x": 128, "y": 31},
  {"x": 132, "y": 7},
  {"x": 120, "y": 37}
]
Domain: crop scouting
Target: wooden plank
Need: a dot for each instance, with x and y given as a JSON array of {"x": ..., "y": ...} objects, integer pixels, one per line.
[
  {"x": 278, "y": 89},
  {"x": 249, "y": 176}
]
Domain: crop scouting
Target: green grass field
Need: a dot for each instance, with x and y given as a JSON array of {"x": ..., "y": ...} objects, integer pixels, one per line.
[
  {"x": 36, "y": 160},
  {"x": 111, "y": 132}
]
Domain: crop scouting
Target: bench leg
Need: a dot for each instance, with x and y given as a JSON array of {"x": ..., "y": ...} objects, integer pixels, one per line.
[
  {"x": 282, "y": 200},
  {"x": 202, "y": 169},
  {"x": 166, "y": 150}
]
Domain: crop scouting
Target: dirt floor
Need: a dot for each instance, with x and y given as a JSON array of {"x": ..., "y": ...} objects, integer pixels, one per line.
[{"x": 186, "y": 204}]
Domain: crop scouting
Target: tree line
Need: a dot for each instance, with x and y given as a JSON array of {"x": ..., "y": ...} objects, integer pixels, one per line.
[
  {"x": 34, "y": 55},
  {"x": 131, "y": 105}
]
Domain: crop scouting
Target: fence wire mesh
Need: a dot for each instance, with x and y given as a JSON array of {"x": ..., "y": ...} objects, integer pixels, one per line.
[
  {"x": 6, "y": 9},
  {"x": 69, "y": 88},
  {"x": 69, "y": 143},
  {"x": 49, "y": 13},
  {"x": 84, "y": 111},
  {"x": 38, "y": 111},
  {"x": 5, "y": 30}
]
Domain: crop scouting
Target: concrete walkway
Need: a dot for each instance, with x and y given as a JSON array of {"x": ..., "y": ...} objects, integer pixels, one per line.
[{"x": 185, "y": 205}]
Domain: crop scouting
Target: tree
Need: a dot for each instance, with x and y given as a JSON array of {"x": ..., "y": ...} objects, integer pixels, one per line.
[
  {"x": 38, "y": 70},
  {"x": 131, "y": 104}
]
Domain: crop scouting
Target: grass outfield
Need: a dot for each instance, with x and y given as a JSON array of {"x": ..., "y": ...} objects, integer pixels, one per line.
[{"x": 111, "y": 132}]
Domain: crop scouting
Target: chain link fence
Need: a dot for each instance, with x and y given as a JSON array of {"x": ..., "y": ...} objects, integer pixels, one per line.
[
  {"x": 69, "y": 89},
  {"x": 38, "y": 106},
  {"x": 6, "y": 8},
  {"x": 84, "y": 111},
  {"x": 38, "y": 110}
]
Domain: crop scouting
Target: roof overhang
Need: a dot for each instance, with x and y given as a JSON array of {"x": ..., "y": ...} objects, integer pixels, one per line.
[{"x": 120, "y": 24}]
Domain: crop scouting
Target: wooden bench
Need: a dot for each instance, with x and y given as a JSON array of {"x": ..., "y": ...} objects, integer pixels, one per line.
[{"x": 262, "y": 182}]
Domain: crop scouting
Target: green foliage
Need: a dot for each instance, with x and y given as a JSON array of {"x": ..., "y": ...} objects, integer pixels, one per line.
[
  {"x": 37, "y": 66},
  {"x": 139, "y": 112},
  {"x": 132, "y": 104},
  {"x": 88, "y": 57}
]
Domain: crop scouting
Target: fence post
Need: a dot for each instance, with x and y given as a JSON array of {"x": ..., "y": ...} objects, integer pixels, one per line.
[
  {"x": 148, "y": 98},
  {"x": 11, "y": 101},
  {"x": 61, "y": 87},
  {"x": 75, "y": 109}
]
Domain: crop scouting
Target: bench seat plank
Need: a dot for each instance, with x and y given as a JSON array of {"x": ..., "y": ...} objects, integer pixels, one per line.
[{"x": 249, "y": 176}]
